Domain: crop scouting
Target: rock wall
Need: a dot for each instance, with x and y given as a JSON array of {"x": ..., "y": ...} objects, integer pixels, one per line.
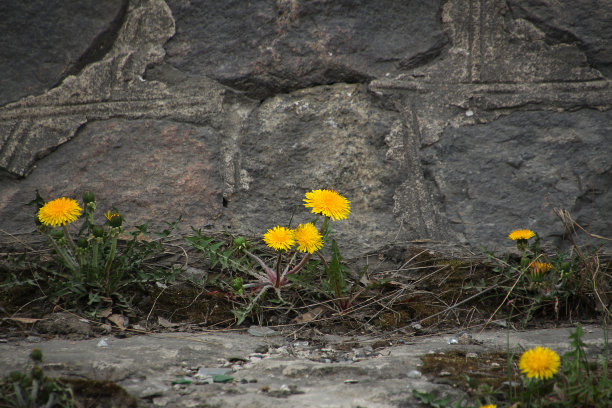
[{"x": 453, "y": 121}]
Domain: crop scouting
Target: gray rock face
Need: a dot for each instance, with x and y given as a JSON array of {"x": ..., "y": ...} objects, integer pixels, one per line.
[
  {"x": 453, "y": 121},
  {"x": 542, "y": 166},
  {"x": 586, "y": 23},
  {"x": 44, "y": 41},
  {"x": 147, "y": 167},
  {"x": 327, "y": 137},
  {"x": 113, "y": 86},
  {"x": 267, "y": 47}
]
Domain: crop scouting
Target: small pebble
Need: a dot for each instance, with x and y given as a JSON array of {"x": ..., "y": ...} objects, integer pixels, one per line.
[
  {"x": 414, "y": 374},
  {"x": 258, "y": 331},
  {"x": 465, "y": 339},
  {"x": 209, "y": 372},
  {"x": 161, "y": 401},
  {"x": 500, "y": 323},
  {"x": 105, "y": 328},
  {"x": 511, "y": 383},
  {"x": 261, "y": 349}
]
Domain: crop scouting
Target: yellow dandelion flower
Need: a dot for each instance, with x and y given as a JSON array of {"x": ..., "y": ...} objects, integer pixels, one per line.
[
  {"x": 114, "y": 219},
  {"x": 328, "y": 203},
  {"x": 279, "y": 238},
  {"x": 60, "y": 211},
  {"x": 308, "y": 238},
  {"x": 539, "y": 268},
  {"x": 539, "y": 362},
  {"x": 521, "y": 234},
  {"x": 111, "y": 214},
  {"x": 489, "y": 406}
]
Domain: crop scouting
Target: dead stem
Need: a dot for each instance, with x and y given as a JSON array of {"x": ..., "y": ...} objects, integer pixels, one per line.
[
  {"x": 503, "y": 301},
  {"x": 569, "y": 223},
  {"x": 449, "y": 308},
  {"x": 154, "y": 303},
  {"x": 601, "y": 302}
]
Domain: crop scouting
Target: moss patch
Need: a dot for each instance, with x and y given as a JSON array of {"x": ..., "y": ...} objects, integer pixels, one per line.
[{"x": 452, "y": 367}]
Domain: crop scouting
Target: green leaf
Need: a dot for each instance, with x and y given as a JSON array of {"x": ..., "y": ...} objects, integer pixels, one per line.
[
  {"x": 336, "y": 273},
  {"x": 240, "y": 315},
  {"x": 38, "y": 201},
  {"x": 424, "y": 397}
]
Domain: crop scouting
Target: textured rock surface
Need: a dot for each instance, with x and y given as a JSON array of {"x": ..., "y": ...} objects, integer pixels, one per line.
[
  {"x": 279, "y": 46},
  {"x": 455, "y": 121},
  {"x": 542, "y": 166},
  {"x": 126, "y": 163},
  {"x": 36, "y": 52},
  {"x": 324, "y": 137},
  {"x": 586, "y": 23}
]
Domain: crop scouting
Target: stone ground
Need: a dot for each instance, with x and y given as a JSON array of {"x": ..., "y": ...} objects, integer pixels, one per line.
[{"x": 277, "y": 369}]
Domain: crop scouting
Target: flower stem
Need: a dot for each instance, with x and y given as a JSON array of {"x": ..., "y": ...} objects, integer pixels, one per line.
[
  {"x": 69, "y": 239},
  {"x": 324, "y": 226},
  {"x": 299, "y": 266},
  {"x": 109, "y": 261},
  {"x": 94, "y": 257},
  {"x": 90, "y": 218},
  {"x": 278, "y": 262},
  {"x": 271, "y": 275},
  {"x": 68, "y": 260},
  {"x": 323, "y": 260},
  {"x": 81, "y": 257}
]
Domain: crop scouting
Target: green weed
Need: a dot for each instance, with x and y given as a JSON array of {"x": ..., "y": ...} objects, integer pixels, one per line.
[
  {"x": 102, "y": 266},
  {"x": 543, "y": 379},
  {"x": 31, "y": 388}
]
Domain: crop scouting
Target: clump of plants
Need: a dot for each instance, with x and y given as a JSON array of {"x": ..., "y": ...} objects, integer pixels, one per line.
[
  {"x": 541, "y": 378},
  {"x": 31, "y": 388},
  {"x": 97, "y": 265},
  {"x": 555, "y": 284},
  {"x": 294, "y": 249}
]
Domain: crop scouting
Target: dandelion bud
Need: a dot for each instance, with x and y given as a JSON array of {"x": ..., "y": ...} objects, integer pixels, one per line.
[
  {"x": 89, "y": 197},
  {"x": 240, "y": 242},
  {"x": 114, "y": 219},
  {"x": 57, "y": 234},
  {"x": 82, "y": 243},
  {"x": 36, "y": 355},
  {"x": 98, "y": 231},
  {"x": 15, "y": 376},
  {"x": 37, "y": 373}
]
